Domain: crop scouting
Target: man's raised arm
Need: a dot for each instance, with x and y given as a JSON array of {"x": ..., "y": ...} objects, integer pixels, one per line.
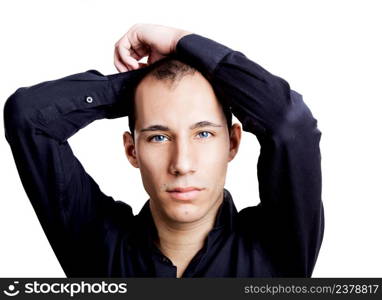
[
  {"x": 75, "y": 214},
  {"x": 289, "y": 221}
]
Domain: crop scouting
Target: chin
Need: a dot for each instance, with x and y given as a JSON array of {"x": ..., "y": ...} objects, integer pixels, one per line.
[{"x": 186, "y": 213}]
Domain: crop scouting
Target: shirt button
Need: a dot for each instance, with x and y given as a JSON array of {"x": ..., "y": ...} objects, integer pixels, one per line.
[{"x": 89, "y": 99}]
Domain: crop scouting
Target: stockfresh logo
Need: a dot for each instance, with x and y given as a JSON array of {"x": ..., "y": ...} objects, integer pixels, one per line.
[
  {"x": 12, "y": 289},
  {"x": 72, "y": 289}
]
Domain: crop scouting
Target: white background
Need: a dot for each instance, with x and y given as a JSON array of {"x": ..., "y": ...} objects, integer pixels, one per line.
[{"x": 329, "y": 51}]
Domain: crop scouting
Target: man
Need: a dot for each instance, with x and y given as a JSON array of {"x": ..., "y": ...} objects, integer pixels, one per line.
[{"x": 181, "y": 140}]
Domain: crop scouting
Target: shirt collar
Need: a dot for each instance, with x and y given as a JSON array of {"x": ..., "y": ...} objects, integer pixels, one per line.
[{"x": 225, "y": 220}]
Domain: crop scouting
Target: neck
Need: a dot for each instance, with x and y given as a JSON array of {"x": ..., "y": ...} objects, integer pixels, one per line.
[{"x": 179, "y": 240}]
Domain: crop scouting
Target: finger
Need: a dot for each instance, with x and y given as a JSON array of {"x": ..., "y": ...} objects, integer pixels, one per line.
[
  {"x": 136, "y": 48},
  {"x": 126, "y": 54},
  {"x": 118, "y": 64},
  {"x": 131, "y": 52},
  {"x": 128, "y": 47},
  {"x": 129, "y": 44},
  {"x": 134, "y": 54},
  {"x": 120, "y": 67},
  {"x": 126, "y": 57},
  {"x": 141, "y": 51}
]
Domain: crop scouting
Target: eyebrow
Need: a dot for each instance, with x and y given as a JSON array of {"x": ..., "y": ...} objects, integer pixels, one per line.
[{"x": 194, "y": 126}]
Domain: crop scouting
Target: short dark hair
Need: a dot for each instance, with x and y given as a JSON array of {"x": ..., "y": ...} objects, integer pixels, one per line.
[{"x": 172, "y": 70}]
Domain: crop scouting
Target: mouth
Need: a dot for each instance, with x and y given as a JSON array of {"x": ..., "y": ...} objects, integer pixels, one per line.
[{"x": 187, "y": 193}]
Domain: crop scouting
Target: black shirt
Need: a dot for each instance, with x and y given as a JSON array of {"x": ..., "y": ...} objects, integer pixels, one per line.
[{"x": 93, "y": 235}]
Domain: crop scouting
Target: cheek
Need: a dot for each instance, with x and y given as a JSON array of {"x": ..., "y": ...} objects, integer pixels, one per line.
[
  {"x": 218, "y": 150},
  {"x": 152, "y": 164},
  {"x": 213, "y": 161}
]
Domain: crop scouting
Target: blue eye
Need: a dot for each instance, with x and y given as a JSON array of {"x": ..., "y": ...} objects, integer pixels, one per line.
[
  {"x": 156, "y": 140},
  {"x": 204, "y": 135}
]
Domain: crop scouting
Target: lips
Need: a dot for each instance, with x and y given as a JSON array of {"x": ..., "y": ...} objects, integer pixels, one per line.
[
  {"x": 187, "y": 193},
  {"x": 183, "y": 190}
]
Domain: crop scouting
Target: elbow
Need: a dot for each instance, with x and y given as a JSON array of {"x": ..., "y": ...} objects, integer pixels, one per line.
[
  {"x": 15, "y": 114},
  {"x": 298, "y": 123}
]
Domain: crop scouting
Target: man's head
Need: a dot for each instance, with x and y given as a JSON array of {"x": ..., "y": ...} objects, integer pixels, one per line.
[
  {"x": 181, "y": 137},
  {"x": 171, "y": 70}
]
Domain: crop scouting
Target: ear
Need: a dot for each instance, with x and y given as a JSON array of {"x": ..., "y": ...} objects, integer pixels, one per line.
[
  {"x": 235, "y": 138},
  {"x": 130, "y": 151}
]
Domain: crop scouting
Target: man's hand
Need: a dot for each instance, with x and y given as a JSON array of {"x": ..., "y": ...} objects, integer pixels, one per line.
[{"x": 154, "y": 41}]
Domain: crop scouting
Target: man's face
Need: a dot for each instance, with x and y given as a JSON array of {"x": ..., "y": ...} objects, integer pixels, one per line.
[{"x": 185, "y": 150}]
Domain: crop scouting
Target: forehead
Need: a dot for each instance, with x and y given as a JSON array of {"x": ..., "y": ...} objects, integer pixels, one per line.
[{"x": 189, "y": 100}]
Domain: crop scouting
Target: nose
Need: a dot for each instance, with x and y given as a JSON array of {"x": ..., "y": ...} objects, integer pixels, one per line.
[{"x": 181, "y": 162}]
